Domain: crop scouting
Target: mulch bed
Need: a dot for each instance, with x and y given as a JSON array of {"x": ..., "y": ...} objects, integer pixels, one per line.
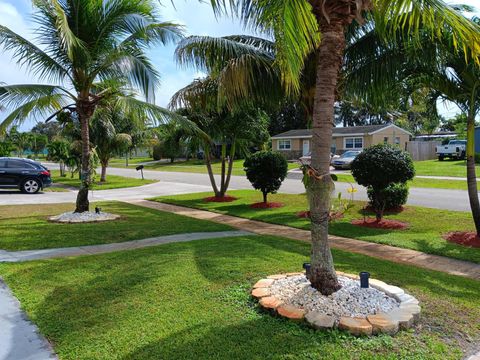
[
  {"x": 226, "y": 198},
  {"x": 268, "y": 205},
  {"x": 386, "y": 224},
  {"x": 464, "y": 238},
  {"x": 395, "y": 210}
]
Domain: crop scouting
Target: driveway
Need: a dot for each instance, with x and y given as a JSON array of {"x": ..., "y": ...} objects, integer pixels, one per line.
[{"x": 171, "y": 183}]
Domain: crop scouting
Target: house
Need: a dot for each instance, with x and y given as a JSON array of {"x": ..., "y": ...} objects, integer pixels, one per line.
[{"x": 296, "y": 143}]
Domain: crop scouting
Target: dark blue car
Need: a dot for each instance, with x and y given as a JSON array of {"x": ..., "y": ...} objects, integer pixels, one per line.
[{"x": 27, "y": 175}]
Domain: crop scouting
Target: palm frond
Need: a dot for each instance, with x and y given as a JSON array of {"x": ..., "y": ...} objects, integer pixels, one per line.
[
  {"x": 439, "y": 18},
  {"x": 31, "y": 57},
  {"x": 157, "y": 33},
  {"x": 157, "y": 115},
  {"x": 38, "y": 108},
  {"x": 12, "y": 96}
]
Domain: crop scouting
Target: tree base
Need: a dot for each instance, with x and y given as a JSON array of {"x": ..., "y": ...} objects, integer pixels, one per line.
[
  {"x": 82, "y": 204},
  {"x": 324, "y": 281}
]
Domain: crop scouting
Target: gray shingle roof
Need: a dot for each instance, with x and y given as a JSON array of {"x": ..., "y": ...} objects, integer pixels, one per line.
[{"x": 336, "y": 131}]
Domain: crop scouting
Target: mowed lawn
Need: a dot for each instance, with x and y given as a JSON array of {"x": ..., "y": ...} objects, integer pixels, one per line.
[
  {"x": 419, "y": 182},
  {"x": 456, "y": 168},
  {"x": 192, "y": 166},
  {"x": 113, "y": 181},
  {"x": 426, "y": 226},
  {"x": 26, "y": 227},
  {"x": 191, "y": 301}
]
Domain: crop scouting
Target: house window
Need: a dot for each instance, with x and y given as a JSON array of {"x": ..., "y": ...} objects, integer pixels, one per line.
[
  {"x": 397, "y": 140},
  {"x": 354, "y": 143},
  {"x": 385, "y": 140},
  {"x": 284, "y": 144}
]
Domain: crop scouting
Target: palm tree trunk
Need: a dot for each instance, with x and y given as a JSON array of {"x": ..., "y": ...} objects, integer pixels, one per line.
[
  {"x": 103, "y": 176},
  {"x": 471, "y": 175},
  {"x": 320, "y": 187},
  {"x": 230, "y": 166},
  {"x": 222, "y": 176},
  {"x": 208, "y": 162},
  {"x": 85, "y": 111}
]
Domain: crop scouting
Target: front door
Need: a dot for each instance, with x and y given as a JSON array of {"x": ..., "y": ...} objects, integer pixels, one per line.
[{"x": 306, "y": 147}]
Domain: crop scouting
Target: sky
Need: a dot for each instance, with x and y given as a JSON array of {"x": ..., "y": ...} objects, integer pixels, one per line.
[{"x": 197, "y": 17}]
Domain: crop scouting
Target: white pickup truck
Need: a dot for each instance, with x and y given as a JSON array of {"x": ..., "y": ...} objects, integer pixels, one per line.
[{"x": 455, "y": 149}]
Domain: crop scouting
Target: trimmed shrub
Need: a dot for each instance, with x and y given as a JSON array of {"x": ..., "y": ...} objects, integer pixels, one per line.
[
  {"x": 396, "y": 195},
  {"x": 266, "y": 170},
  {"x": 379, "y": 167}
]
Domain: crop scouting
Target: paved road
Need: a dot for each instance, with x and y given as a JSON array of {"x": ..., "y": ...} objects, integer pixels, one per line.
[{"x": 171, "y": 183}]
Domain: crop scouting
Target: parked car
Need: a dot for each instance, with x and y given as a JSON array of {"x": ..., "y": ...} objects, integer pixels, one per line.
[
  {"x": 345, "y": 160},
  {"x": 455, "y": 149},
  {"x": 307, "y": 158},
  {"x": 27, "y": 175}
]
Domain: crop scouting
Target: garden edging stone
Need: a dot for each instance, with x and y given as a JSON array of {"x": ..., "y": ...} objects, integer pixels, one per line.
[{"x": 400, "y": 318}]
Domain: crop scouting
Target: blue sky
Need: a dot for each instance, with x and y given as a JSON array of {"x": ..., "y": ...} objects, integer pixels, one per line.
[{"x": 197, "y": 17}]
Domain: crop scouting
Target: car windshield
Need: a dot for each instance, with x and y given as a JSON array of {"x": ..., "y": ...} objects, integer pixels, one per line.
[
  {"x": 458, "y": 142},
  {"x": 350, "y": 154}
]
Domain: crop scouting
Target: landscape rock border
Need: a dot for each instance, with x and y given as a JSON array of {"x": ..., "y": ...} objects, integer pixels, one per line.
[{"x": 401, "y": 318}]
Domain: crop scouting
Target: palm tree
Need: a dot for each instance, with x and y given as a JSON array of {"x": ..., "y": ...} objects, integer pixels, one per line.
[
  {"x": 459, "y": 82},
  {"x": 109, "y": 135},
  {"x": 82, "y": 43},
  {"x": 304, "y": 26},
  {"x": 233, "y": 130}
]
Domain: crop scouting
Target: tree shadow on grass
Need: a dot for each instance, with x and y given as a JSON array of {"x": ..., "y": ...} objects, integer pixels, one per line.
[{"x": 262, "y": 338}]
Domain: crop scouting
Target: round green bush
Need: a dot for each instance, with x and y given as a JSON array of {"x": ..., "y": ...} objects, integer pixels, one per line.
[
  {"x": 396, "y": 195},
  {"x": 266, "y": 170},
  {"x": 379, "y": 167}
]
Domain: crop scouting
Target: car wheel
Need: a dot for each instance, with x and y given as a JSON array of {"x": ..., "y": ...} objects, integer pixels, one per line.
[
  {"x": 31, "y": 186},
  {"x": 440, "y": 158}
]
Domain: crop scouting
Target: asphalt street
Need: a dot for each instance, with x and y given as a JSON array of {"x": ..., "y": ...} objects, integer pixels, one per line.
[{"x": 171, "y": 183}]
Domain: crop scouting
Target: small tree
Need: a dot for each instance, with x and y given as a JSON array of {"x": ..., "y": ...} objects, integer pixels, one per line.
[
  {"x": 266, "y": 170},
  {"x": 377, "y": 168}
]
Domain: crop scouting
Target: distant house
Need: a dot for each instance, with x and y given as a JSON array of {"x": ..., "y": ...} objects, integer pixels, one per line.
[{"x": 296, "y": 143}]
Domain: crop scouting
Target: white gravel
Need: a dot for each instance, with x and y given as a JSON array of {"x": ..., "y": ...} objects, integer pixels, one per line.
[
  {"x": 72, "y": 217},
  {"x": 350, "y": 300}
]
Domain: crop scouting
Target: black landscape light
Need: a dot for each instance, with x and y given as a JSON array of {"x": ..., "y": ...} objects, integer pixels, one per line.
[
  {"x": 364, "y": 276},
  {"x": 140, "y": 167},
  {"x": 97, "y": 210},
  {"x": 307, "y": 267}
]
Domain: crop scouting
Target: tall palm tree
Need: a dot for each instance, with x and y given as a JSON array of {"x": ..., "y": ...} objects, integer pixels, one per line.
[
  {"x": 82, "y": 42},
  {"x": 459, "y": 82},
  {"x": 301, "y": 27}
]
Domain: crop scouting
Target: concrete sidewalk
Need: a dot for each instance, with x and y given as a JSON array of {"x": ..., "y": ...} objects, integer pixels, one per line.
[
  {"x": 19, "y": 337},
  {"x": 385, "y": 252},
  {"x": 27, "y": 255}
]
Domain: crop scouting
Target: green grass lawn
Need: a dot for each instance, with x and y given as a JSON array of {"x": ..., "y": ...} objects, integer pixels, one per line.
[
  {"x": 426, "y": 226},
  {"x": 193, "y": 166},
  {"x": 419, "y": 182},
  {"x": 120, "y": 162},
  {"x": 456, "y": 168},
  {"x": 25, "y": 227},
  {"x": 191, "y": 301},
  {"x": 113, "y": 181}
]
